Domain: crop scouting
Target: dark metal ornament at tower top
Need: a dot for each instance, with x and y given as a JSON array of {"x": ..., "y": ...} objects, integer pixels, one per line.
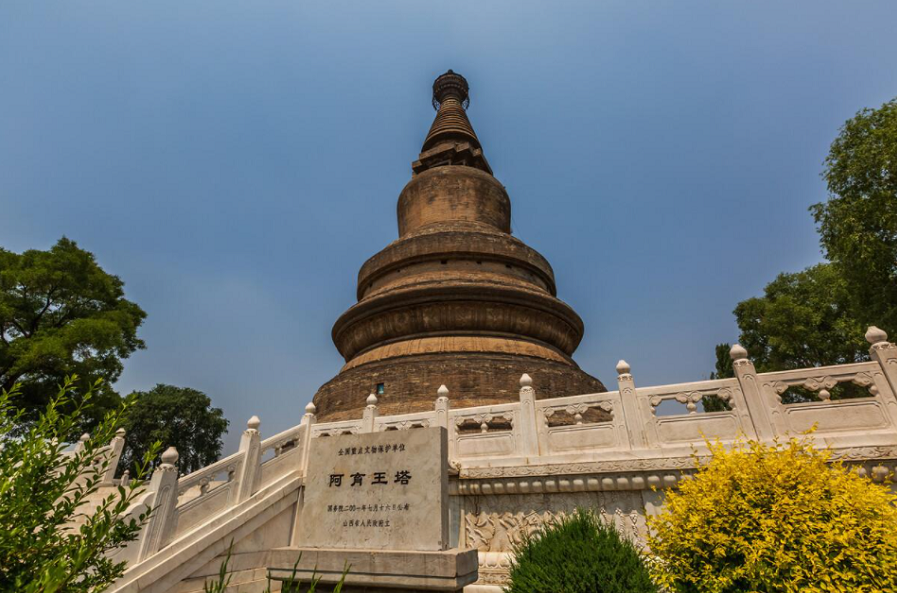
[
  {"x": 456, "y": 299},
  {"x": 450, "y": 84}
]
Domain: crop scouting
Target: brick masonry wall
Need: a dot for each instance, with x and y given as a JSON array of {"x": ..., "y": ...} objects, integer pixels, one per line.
[{"x": 410, "y": 383}]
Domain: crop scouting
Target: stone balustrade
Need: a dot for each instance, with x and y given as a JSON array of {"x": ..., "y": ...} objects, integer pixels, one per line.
[{"x": 525, "y": 462}]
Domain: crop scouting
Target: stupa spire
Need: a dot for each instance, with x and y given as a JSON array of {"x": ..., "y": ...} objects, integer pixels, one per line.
[
  {"x": 451, "y": 139},
  {"x": 455, "y": 299}
]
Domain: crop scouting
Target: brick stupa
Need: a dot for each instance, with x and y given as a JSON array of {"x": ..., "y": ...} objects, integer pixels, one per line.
[{"x": 456, "y": 300}]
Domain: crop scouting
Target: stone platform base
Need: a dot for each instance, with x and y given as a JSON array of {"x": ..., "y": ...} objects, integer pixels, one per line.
[{"x": 375, "y": 571}]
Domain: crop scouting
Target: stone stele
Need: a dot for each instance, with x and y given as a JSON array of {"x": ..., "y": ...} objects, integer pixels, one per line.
[{"x": 381, "y": 491}]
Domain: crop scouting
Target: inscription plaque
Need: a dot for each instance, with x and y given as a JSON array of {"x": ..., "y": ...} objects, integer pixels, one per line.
[{"x": 383, "y": 490}]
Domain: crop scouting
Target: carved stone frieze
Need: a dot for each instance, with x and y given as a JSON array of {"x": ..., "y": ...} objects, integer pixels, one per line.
[
  {"x": 576, "y": 483},
  {"x": 494, "y": 525}
]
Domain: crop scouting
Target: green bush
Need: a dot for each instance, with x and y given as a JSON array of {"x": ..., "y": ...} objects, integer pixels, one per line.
[
  {"x": 578, "y": 554},
  {"x": 57, "y": 526}
]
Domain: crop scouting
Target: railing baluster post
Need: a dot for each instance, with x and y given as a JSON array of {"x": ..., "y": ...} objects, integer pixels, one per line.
[
  {"x": 308, "y": 420},
  {"x": 250, "y": 445},
  {"x": 368, "y": 418},
  {"x": 765, "y": 414},
  {"x": 162, "y": 523},
  {"x": 529, "y": 430},
  {"x": 885, "y": 354},
  {"x": 442, "y": 417},
  {"x": 115, "y": 450},
  {"x": 635, "y": 427}
]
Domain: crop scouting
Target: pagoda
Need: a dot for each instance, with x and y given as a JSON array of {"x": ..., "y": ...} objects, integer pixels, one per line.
[{"x": 456, "y": 299}]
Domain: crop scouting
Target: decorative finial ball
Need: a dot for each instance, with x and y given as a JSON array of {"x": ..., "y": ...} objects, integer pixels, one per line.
[
  {"x": 372, "y": 400},
  {"x": 120, "y": 433},
  {"x": 442, "y": 391},
  {"x": 874, "y": 335},
  {"x": 310, "y": 408},
  {"x": 84, "y": 438},
  {"x": 737, "y": 352},
  {"x": 526, "y": 380},
  {"x": 253, "y": 423},
  {"x": 170, "y": 456},
  {"x": 623, "y": 367}
]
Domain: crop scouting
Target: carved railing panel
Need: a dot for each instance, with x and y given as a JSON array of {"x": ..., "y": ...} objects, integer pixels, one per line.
[
  {"x": 695, "y": 423},
  {"x": 824, "y": 384},
  {"x": 485, "y": 431},
  {"x": 280, "y": 443},
  {"x": 209, "y": 479},
  {"x": 336, "y": 428},
  {"x": 834, "y": 399}
]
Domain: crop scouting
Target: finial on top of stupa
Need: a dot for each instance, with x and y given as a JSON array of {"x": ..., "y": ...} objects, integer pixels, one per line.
[
  {"x": 448, "y": 85},
  {"x": 451, "y": 139}
]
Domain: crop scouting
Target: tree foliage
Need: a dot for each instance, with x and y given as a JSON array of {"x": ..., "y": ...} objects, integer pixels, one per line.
[
  {"x": 817, "y": 316},
  {"x": 578, "y": 554},
  {"x": 775, "y": 519},
  {"x": 802, "y": 320},
  {"x": 722, "y": 370},
  {"x": 56, "y": 526},
  {"x": 180, "y": 417},
  {"x": 60, "y": 315},
  {"x": 858, "y": 223}
]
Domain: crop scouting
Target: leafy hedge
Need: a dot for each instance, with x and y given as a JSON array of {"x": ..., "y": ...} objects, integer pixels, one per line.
[
  {"x": 780, "y": 518},
  {"x": 578, "y": 554}
]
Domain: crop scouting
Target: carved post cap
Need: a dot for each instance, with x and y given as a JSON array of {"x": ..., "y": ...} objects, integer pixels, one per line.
[
  {"x": 84, "y": 438},
  {"x": 253, "y": 423},
  {"x": 120, "y": 433},
  {"x": 738, "y": 352},
  {"x": 442, "y": 391},
  {"x": 170, "y": 456},
  {"x": 875, "y": 335},
  {"x": 623, "y": 367},
  {"x": 310, "y": 408},
  {"x": 372, "y": 400},
  {"x": 526, "y": 380}
]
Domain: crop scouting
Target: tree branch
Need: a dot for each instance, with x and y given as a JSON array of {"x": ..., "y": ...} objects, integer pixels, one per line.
[
  {"x": 44, "y": 310},
  {"x": 19, "y": 327}
]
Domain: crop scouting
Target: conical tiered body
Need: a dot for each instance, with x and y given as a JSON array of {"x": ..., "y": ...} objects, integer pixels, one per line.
[{"x": 456, "y": 300}]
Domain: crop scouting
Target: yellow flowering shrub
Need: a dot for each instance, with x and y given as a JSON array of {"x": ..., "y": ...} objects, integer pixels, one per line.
[{"x": 781, "y": 518}]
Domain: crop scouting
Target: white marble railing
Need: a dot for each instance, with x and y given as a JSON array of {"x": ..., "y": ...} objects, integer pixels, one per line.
[{"x": 622, "y": 429}]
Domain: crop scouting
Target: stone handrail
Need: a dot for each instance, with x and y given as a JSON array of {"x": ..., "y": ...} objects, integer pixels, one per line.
[
  {"x": 283, "y": 440},
  {"x": 618, "y": 431},
  {"x": 205, "y": 476}
]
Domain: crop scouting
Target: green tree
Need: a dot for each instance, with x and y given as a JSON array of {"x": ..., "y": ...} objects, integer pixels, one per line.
[
  {"x": 56, "y": 526},
  {"x": 61, "y": 314},
  {"x": 179, "y": 417},
  {"x": 858, "y": 223},
  {"x": 722, "y": 370},
  {"x": 802, "y": 320},
  {"x": 578, "y": 554}
]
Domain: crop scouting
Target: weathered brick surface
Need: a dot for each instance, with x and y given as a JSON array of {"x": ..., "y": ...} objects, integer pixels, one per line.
[{"x": 472, "y": 379}]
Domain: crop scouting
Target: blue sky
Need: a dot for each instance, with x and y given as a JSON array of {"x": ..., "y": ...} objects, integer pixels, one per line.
[{"x": 236, "y": 162}]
